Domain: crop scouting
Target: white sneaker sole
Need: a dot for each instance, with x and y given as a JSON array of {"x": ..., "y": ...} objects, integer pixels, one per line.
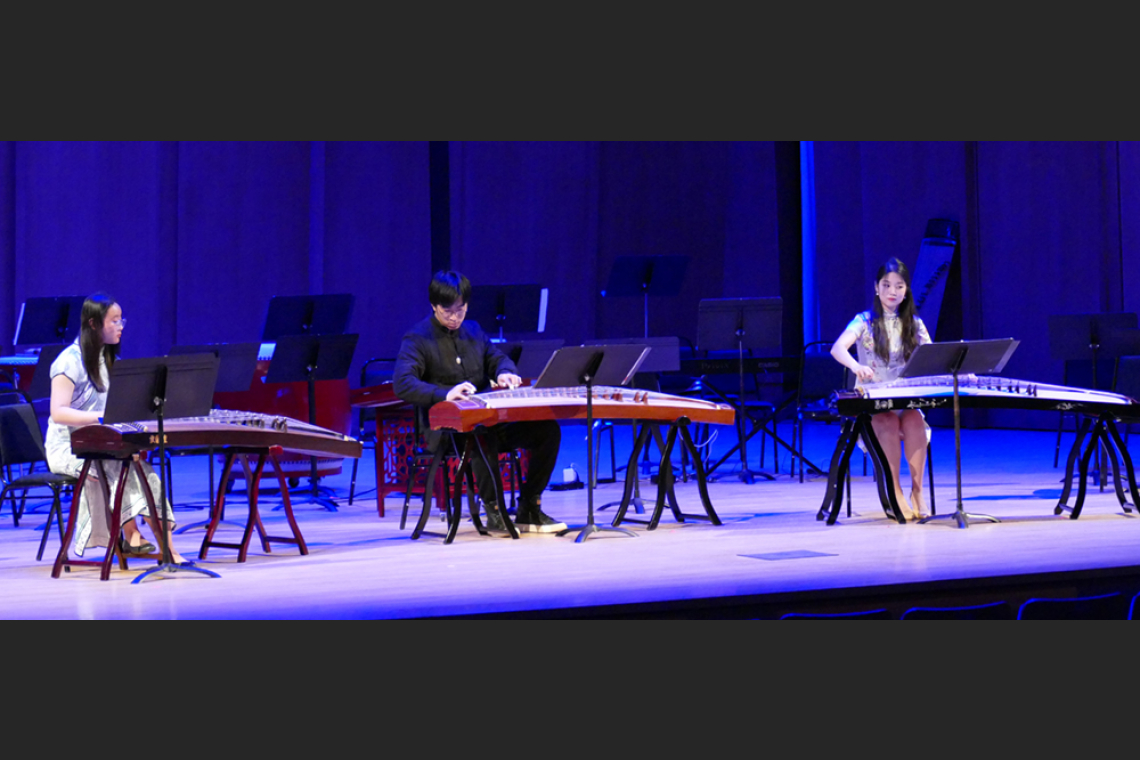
[{"x": 526, "y": 528}]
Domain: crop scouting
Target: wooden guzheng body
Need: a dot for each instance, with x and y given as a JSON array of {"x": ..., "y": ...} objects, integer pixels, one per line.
[
  {"x": 528, "y": 404},
  {"x": 291, "y": 400},
  {"x": 239, "y": 436},
  {"x": 221, "y": 428},
  {"x": 1099, "y": 409},
  {"x": 608, "y": 403}
]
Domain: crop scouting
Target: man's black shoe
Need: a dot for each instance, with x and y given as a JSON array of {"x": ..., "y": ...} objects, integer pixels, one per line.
[
  {"x": 531, "y": 519},
  {"x": 495, "y": 519}
]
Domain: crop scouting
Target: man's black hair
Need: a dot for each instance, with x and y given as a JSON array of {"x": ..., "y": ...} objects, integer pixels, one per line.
[{"x": 448, "y": 289}]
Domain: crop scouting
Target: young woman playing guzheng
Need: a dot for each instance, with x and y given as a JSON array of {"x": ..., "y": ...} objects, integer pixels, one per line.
[
  {"x": 79, "y": 384},
  {"x": 884, "y": 338}
]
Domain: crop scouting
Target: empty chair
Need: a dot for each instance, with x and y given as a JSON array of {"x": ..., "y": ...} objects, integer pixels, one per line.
[
  {"x": 375, "y": 371},
  {"x": 820, "y": 376},
  {"x": 991, "y": 611},
  {"x": 861, "y": 615},
  {"x": 22, "y": 443},
  {"x": 1111, "y": 606}
]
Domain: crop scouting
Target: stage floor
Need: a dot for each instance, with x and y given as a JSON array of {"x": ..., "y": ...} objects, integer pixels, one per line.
[{"x": 770, "y": 556}]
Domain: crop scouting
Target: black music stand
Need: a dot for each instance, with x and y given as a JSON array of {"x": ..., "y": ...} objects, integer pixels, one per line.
[
  {"x": 327, "y": 314},
  {"x": 152, "y": 389},
  {"x": 237, "y": 363},
  {"x": 978, "y": 357},
  {"x": 54, "y": 319},
  {"x": 530, "y": 357},
  {"x": 40, "y": 386},
  {"x": 508, "y": 308},
  {"x": 309, "y": 358},
  {"x": 646, "y": 276},
  {"x": 590, "y": 366},
  {"x": 736, "y": 324}
]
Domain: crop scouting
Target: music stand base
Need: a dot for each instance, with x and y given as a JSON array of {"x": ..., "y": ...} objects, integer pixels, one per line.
[
  {"x": 171, "y": 567},
  {"x": 963, "y": 518},
  {"x": 585, "y": 531}
]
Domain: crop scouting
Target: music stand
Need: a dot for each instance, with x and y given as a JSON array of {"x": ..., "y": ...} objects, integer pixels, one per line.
[
  {"x": 237, "y": 363},
  {"x": 54, "y": 319},
  {"x": 978, "y": 357},
  {"x": 40, "y": 386},
  {"x": 646, "y": 276},
  {"x": 508, "y": 308},
  {"x": 152, "y": 389},
  {"x": 590, "y": 365},
  {"x": 530, "y": 357},
  {"x": 737, "y": 324},
  {"x": 327, "y": 314},
  {"x": 309, "y": 358}
]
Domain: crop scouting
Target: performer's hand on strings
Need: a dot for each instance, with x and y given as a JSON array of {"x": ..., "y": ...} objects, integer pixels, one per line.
[
  {"x": 864, "y": 373},
  {"x": 507, "y": 380},
  {"x": 461, "y": 391}
]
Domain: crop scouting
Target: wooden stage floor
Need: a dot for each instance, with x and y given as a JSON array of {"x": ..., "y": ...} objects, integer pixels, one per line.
[{"x": 771, "y": 556}]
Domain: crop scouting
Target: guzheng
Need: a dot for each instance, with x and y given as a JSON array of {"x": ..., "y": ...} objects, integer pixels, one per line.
[
  {"x": 611, "y": 403},
  {"x": 221, "y": 428},
  {"x": 937, "y": 392}
]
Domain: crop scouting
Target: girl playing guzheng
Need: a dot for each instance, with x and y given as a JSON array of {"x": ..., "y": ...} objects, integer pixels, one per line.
[
  {"x": 884, "y": 338},
  {"x": 79, "y": 385}
]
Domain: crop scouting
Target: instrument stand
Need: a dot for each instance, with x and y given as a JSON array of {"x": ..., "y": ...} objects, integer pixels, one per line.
[
  {"x": 144, "y": 389},
  {"x": 633, "y": 471},
  {"x": 310, "y": 358},
  {"x": 664, "y": 356},
  {"x": 985, "y": 357},
  {"x": 736, "y": 324},
  {"x": 586, "y": 366},
  {"x": 237, "y": 363},
  {"x": 1076, "y": 337}
]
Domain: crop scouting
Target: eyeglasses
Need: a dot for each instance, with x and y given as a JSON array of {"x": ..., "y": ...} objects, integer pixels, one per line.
[
  {"x": 121, "y": 322},
  {"x": 453, "y": 313}
]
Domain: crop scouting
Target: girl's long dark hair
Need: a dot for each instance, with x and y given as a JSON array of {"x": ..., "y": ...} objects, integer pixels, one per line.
[
  {"x": 906, "y": 313},
  {"x": 91, "y": 344}
]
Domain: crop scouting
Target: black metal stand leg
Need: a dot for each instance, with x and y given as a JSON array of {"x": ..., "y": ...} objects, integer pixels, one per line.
[
  {"x": 496, "y": 478},
  {"x": 882, "y": 470},
  {"x": 1116, "y": 484},
  {"x": 1122, "y": 447},
  {"x": 1074, "y": 454},
  {"x": 1082, "y": 486},
  {"x": 840, "y": 461},
  {"x": 429, "y": 484},
  {"x": 455, "y": 499},
  {"x": 631, "y": 478},
  {"x": 702, "y": 482}
]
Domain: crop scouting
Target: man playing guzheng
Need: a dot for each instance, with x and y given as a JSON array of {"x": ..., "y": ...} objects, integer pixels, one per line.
[{"x": 444, "y": 358}]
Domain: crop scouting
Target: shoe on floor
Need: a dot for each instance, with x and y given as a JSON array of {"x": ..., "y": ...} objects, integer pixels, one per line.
[
  {"x": 494, "y": 521},
  {"x": 146, "y": 547},
  {"x": 531, "y": 519}
]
